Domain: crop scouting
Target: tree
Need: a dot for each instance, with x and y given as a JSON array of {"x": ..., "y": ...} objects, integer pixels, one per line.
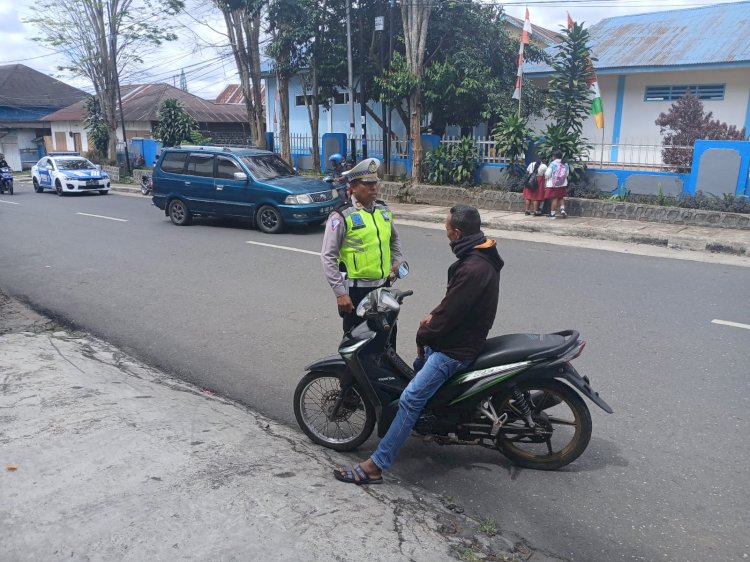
[
  {"x": 415, "y": 15},
  {"x": 243, "y": 22},
  {"x": 684, "y": 123},
  {"x": 102, "y": 41},
  {"x": 569, "y": 99},
  {"x": 175, "y": 125},
  {"x": 96, "y": 126}
]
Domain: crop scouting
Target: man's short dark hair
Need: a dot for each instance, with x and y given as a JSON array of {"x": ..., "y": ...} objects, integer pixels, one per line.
[
  {"x": 557, "y": 155},
  {"x": 466, "y": 219}
]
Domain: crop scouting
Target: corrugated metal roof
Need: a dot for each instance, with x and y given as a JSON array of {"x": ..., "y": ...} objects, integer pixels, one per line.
[
  {"x": 544, "y": 35},
  {"x": 141, "y": 102},
  {"x": 24, "y": 87},
  {"x": 712, "y": 35}
]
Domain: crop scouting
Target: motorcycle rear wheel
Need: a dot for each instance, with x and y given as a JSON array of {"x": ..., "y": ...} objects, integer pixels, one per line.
[
  {"x": 314, "y": 399},
  {"x": 559, "y": 413}
]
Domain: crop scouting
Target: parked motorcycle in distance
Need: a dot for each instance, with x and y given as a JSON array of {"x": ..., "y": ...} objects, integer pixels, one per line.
[
  {"x": 513, "y": 398},
  {"x": 147, "y": 184},
  {"x": 6, "y": 180}
]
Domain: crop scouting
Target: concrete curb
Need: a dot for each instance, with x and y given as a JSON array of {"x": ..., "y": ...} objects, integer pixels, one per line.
[
  {"x": 676, "y": 241},
  {"x": 717, "y": 240}
]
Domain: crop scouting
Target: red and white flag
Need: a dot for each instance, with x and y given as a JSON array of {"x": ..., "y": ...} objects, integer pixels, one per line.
[{"x": 524, "y": 41}]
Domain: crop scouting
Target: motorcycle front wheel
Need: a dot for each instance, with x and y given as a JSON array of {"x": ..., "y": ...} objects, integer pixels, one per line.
[
  {"x": 315, "y": 399},
  {"x": 562, "y": 425}
]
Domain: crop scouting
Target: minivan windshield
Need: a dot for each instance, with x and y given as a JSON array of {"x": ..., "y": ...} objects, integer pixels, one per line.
[
  {"x": 75, "y": 164},
  {"x": 268, "y": 167}
]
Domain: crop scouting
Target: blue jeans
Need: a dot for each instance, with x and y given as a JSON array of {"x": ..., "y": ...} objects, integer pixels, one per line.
[{"x": 435, "y": 370}]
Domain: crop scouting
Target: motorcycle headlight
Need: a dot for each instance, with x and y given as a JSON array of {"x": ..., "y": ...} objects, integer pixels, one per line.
[
  {"x": 362, "y": 307},
  {"x": 302, "y": 199}
]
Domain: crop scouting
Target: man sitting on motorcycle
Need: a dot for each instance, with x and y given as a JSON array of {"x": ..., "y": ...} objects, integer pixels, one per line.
[{"x": 449, "y": 339}]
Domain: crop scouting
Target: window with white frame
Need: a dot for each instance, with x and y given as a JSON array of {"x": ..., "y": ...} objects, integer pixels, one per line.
[
  {"x": 709, "y": 92},
  {"x": 341, "y": 98}
]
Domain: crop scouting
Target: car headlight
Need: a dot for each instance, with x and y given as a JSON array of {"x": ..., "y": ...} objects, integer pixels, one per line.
[
  {"x": 69, "y": 177},
  {"x": 334, "y": 193},
  {"x": 302, "y": 199}
]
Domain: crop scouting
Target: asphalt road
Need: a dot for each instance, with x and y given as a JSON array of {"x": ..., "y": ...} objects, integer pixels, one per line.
[{"x": 664, "y": 478}]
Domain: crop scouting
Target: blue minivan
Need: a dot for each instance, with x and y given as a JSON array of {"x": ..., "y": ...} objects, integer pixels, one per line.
[{"x": 238, "y": 182}]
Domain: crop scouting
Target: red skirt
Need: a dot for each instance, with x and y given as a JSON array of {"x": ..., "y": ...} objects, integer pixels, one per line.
[
  {"x": 555, "y": 192},
  {"x": 535, "y": 194}
]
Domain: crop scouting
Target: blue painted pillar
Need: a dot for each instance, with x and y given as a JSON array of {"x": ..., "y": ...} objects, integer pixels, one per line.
[{"x": 617, "y": 124}]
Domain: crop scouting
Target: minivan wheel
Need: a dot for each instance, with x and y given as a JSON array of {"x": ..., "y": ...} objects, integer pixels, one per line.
[
  {"x": 269, "y": 220},
  {"x": 178, "y": 213}
]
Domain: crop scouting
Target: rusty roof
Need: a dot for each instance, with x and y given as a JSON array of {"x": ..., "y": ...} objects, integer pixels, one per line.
[
  {"x": 709, "y": 36},
  {"x": 542, "y": 34},
  {"x": 24, "y": 87},
  {"x": 141, "y": 102}
]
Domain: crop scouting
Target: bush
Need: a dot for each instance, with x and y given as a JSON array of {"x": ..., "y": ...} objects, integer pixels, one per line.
[
  {"x": 686, "y": 122},
  {"x": 452, "y": 164}
]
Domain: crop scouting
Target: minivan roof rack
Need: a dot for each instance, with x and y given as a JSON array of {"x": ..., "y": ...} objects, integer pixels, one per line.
[{"x": 224, "y": 148}]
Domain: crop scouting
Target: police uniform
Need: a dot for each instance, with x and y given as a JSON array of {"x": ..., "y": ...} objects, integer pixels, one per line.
[{"x": 362, "y": 242}]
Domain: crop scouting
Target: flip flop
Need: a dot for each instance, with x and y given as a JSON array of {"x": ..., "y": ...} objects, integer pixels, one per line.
[{"x": 360, "y": 479}]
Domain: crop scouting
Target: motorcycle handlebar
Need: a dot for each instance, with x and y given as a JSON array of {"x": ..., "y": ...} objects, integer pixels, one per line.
[{"x": 402, "y": 295}]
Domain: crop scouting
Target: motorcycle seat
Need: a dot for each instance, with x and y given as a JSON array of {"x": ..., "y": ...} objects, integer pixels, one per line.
[{"x": 513, "y": 348}]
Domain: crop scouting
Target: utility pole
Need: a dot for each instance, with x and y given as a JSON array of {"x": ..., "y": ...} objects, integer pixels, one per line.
[
  {"x": 362, "y": 96},
  {"x": 380, "y": 26},
  {"x": 113, "y": 62},
  {"x": 352, "y": 141},
  {"x": 390, "y": 58}
]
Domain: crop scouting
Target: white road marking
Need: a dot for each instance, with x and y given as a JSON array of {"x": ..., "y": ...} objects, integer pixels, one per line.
[
  {"x": 102, "y": 217},
  {"x": 284, "y": 248},
  {"x": 733, "y": 324},
  {"x": 9, "y": 202}
]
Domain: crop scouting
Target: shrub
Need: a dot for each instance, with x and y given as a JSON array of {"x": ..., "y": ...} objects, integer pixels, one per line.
[
  {"x": 686, "y": 122},
  {"x": 453, "y": 164}
]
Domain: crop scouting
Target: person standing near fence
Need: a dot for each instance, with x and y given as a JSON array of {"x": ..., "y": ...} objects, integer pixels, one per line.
[
  {"x": 533, "y": 185},
  {"x": 556, "y": 188}
]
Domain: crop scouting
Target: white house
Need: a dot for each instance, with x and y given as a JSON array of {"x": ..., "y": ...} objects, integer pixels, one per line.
[{"x": 648, "y": 61}]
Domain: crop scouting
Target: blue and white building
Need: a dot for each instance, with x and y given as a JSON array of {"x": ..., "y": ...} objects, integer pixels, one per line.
[{"x": 648, "y": 61}]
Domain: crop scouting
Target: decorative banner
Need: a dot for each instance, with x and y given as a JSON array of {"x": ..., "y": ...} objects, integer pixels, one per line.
[
  {"x": 597, "y": 108},
  {"x": 524, "y": 41}
]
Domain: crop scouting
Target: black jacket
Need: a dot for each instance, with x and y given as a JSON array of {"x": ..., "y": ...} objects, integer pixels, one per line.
[{"x": 461, "y": 322}]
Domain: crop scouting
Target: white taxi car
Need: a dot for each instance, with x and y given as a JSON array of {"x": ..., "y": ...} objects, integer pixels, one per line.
[{"x": 68, "y": 172}]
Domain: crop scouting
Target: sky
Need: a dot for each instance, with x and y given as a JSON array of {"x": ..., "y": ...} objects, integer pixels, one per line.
[{"x": 208, "y": 65}]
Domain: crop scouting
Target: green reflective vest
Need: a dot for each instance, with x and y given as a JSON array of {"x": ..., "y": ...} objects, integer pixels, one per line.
[{"x": 366, "y": 250}]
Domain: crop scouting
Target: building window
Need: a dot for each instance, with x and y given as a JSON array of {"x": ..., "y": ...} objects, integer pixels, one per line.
[
  {"x": 341, "y": 98},
  {"x": 710, "y": 92},
  {"x": 300, "y": 100}
]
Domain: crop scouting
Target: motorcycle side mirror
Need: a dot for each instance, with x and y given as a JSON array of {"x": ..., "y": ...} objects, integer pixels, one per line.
[{"x": 403, "y": 270}]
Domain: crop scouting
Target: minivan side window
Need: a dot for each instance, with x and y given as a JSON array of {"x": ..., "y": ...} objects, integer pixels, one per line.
[
  {"x": 174, "y": 162},
  {"x": 226, "y": 168},
  {"x": 201, "y": 165}
]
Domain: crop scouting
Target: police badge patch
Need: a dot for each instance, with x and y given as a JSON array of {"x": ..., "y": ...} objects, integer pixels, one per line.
[
  {"x": 335, "y": 222},
  {"x": 357, "y": 221},
  {"x": 385, "y": 215}
]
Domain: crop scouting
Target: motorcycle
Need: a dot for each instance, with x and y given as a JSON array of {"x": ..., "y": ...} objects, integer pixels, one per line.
[
  {"x": 147, "y": 184},
  {"x": 6, "y": 180},
  {"x": 512, "y": 398}
]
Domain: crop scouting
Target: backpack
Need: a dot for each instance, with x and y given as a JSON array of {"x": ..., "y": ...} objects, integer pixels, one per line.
[
  {"x": 560, "y": 175},
  {"x": 530, "y": 179}
]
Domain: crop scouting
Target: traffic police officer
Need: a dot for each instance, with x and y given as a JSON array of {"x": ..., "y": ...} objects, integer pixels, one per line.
[{"x": 360, "y": 240}]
